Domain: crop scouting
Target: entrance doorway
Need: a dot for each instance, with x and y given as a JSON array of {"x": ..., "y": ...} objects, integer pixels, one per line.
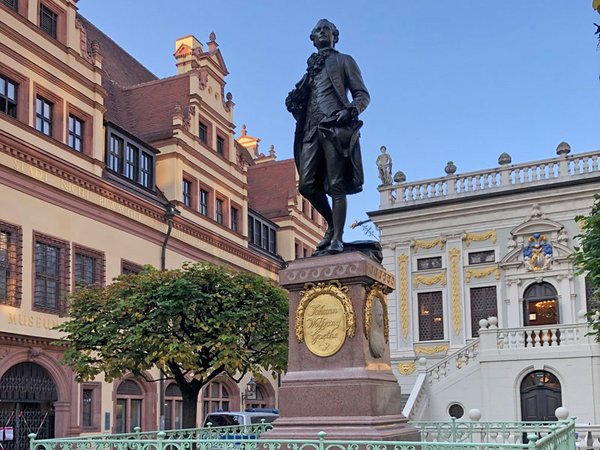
[
  {"x": 27, "y": 396},
  {"x": 540, "y": 305},
  {"x": 540, "y": 396}
]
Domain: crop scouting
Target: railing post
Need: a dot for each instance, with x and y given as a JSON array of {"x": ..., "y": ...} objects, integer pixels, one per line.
[
  {"x": 31, "y": 437},
  {"x": 322, "y": 435},
  {"x": 160, "y": 436},
  {"x": 532, "y": 438}
]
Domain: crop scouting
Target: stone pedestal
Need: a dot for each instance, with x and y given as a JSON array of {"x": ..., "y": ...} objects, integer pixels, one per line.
[{"x": 337, "y": 311}]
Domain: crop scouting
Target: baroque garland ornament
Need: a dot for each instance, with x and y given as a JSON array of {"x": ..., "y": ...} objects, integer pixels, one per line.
[{"x": 324, "y": 318}]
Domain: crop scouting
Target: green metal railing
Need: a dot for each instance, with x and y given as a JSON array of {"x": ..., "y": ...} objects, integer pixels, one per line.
[{"x": 434, "y": 436}]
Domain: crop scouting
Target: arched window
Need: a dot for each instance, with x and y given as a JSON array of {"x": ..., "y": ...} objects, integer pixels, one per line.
[
  {"x": 540, "y": 396},
  {"x": 173, "y": 407},
  {"x": 216, "y": 398},
  {"x": 128, "y": 409},
  {"x": 540, "y": 305}
]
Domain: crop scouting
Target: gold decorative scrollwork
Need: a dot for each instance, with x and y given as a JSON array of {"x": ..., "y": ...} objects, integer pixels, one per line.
[
  {"x": 406, "y": 368},
  {"x": 416, "y": 244},
  {"x": 482, "y": 273},
  {"x": 430, "y": 280},
  {"x": 426, "y": 350},
  {"x": 403, "y": 275},
  {"x": 376, "y": 292},
  {"x": 334, "y": 289},
  {"x": 454, "y": 275},
  {"x": 470, "y": 237}
]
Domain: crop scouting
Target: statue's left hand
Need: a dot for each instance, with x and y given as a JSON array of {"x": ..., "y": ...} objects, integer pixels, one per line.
[{"x": 343, "y": 117}]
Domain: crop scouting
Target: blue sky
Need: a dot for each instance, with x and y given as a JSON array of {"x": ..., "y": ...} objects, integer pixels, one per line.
[{"x": 461, "y": 80}]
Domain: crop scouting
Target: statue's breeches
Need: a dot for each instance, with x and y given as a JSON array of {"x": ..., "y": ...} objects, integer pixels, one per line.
[{"x": 321, "y": 167}]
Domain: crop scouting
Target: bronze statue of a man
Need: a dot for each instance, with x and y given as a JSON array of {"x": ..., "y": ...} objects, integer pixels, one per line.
[{"x": 326, "y": 147}]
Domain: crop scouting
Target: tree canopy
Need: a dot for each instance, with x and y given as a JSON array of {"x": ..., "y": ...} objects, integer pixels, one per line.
[
  {"x": 587, "y": 256},
  {"x": 197, "y": 323}
]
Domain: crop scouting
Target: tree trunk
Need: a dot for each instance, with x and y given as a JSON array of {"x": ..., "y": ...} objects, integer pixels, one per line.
[{"x": 190, "y": 407}]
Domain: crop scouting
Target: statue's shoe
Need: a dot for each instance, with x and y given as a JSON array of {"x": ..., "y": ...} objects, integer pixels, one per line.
[
  {"x": 326, "y": 239},
  {"x": 335, "y": 247}
]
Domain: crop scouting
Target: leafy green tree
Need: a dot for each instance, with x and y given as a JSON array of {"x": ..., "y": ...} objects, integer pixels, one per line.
[
  {"x": 587, "y": 256},
  {"x": 196, "y": 323}
]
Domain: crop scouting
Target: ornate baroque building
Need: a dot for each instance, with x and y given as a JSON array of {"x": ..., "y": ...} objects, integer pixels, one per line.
[
  {"x": 104, "y": 167},
  {"x": 488, "y": 312}
]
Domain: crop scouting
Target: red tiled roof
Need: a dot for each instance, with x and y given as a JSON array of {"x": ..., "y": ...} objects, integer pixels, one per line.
[
  {"x": 138, "y": 101},
  {"x": 270, "y": 185}
]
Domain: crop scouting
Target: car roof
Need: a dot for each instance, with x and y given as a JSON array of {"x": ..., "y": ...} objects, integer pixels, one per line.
[{"x": 242, "y": 413}]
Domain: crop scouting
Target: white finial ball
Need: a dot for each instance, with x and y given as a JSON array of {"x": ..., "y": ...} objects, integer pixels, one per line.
[
  {"x": 561, "y": 413},
  {"x": 475, "y": 414},
  {"x": 483, "y": 323}
]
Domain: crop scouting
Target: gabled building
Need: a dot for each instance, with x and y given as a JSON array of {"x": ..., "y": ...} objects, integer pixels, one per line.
[
  {"x": 104, "y": 167},
  {"x": 489, "y": 310}
]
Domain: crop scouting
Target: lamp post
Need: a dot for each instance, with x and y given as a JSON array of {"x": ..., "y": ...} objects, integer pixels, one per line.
[
  {"x": 250, "y": 393},
  {"x": 170, "y": 212}
]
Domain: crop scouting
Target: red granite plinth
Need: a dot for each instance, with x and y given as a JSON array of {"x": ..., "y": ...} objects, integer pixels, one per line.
[{"x": 351, "y": 394}]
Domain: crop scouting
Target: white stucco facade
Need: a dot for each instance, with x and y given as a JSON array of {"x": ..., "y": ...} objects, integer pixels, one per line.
[{"x": 493, "y": 243}]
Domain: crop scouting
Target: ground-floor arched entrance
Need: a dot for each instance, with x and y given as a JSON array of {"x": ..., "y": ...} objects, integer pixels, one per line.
[
  {"x": 27, "y": 397},
  {"x": 540, "y": 396}
]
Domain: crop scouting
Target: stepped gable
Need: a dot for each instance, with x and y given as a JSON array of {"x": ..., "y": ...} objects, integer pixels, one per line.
[{"x": 137, "y": 100}]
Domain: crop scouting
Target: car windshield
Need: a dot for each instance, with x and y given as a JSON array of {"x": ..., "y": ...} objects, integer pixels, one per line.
[{"x": 223, "y": 420}]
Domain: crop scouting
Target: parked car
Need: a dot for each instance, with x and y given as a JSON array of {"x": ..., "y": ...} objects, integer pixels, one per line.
[{"x": 252, "y": 416}]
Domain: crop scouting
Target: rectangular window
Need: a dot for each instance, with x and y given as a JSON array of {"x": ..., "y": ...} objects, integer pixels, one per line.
[
  {"x": 251, "y": 229},
  {"x": 219, "y": 211},
  {"x": 48, "y": 20},
  {"x": 43, "y": 115},
  {"x": 87, "y": 412},
  {"x": 220, "y": 146},
  {"x": 431, "y": 316},
  {"x": 272, "y": 241},
  {"x": 51, "y": 265},
  {"x": 130, "y": 268},
  {"x": 8, "y": 96},
  {"x": 484, "y": 304},
  {"x": 265, "y": 237},
  {"x": 88, "y": 267},
  {"x": 131, "y": 162},
  {"x": 12, "y": 4},
  {"x": 187, "y": 193},
  {"x": 296, "y": 250},
  {"x": 75, "y": 133},
  {"x": 203, "y": 133},
  {"x": 203, "y": 202},
  {"x": 487, "y": 256},
  {"x": 146, "y": 170},
  {"x": 429, "y": 263},
  {"x": 10, "y": 254},
  {"x": 234, "y": 219},
  {"x": 85, "y": 270},
  {"x": 115, "y": 153},
  {"x": 304, "y": 252}
]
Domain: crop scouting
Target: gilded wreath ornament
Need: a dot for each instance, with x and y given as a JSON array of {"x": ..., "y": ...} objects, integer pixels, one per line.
[
  {"x": 311, "y": 292},
  {"x": 376, "y": 292}
]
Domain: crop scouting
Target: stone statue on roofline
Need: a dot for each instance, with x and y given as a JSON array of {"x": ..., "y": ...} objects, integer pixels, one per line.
[{"x": 384, "y": 167}]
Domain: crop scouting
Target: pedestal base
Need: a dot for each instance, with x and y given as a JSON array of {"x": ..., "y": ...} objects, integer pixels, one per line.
[{"x": 351, "y": 394}]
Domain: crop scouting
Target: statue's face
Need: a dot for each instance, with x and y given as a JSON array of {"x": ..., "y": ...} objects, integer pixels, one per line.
[{"x": 322, "y": 35}]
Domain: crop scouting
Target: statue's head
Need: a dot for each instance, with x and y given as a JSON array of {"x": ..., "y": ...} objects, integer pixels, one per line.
[{"x": 324, "y": 34}]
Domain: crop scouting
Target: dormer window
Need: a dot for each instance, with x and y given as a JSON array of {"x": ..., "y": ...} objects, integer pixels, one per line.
[{"x": 129, "y": 158}]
